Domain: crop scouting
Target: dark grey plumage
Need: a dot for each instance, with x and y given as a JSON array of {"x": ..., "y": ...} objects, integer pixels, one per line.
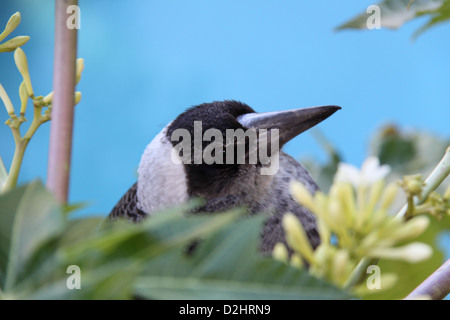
[
  {"x": 224, "y": 186},
  {"x": 127, "y": 207}
]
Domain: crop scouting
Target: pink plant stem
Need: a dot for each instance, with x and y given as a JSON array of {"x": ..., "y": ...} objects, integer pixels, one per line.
[
  {"x": 61, "y": 128},
  {"x": 436, "y": 286}
]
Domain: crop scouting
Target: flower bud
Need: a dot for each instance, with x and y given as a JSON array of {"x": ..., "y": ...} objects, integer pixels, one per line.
[
  {"x": 296, "y": 237},
  {"x": 12, "y": 24},
  {"x": 413, "y": 184},
  {"x": 79, "y": 69},
  {"x": 341, "y": 264},
  {"x": 280, "y": 252},
  {"x": 324, "y": 232},
  {"x": 346, "y": 196},
  {"x": 23, "y": 94},
  {"x": 22, "y": 64},
  {"x": 296, "y": 261},
  {"x": 13, "y": 43},
  {"x": 302, "y": 195},
  {"x": 6, "y": 101},
  {"x": 413, "y": 253},
  {"x": 411, "y": 229},
  {"x": 77, "y": 97},
  {"x": 389, "y": 195}
]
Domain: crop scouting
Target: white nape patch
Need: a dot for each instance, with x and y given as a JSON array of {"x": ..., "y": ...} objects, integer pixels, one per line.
[{"x": 161, "y": 182}]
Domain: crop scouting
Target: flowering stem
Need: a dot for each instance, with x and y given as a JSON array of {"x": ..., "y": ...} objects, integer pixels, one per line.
[
  {"x": 437, "y": 176},
  {"x": 436, "y": 286},
  {"x": 63, "y": 102},
  {"x": 434, "y": 180},
  {"x": 355, "y": 276},
  {"x": 21, "y": 145}
]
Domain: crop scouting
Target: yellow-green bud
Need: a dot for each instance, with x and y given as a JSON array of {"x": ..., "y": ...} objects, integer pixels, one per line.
[
  {"x": 6, "y": 101},
  {"x": 413, "y": 253},
  {"x": 389, "y": 195},
  {"x": 411, "y": 229},
  {"x": 324, "y": 232},
  {"x": 336, "y": 214},
  {"x": 296, "y": 261},
  {"x": 375, "y": 191},
  {"x": 345, "y": 192},
  {"x": 280, "y": 252},
  {"x": 413, "y": 184},
  {"x": 14, "y": 43},
  {"x": 77, "y": 97},
  {"x": 296, "y": 237},
  {"x": 302, "y": 195},
  {"x": 23, "y": 94},
  {"x": 22, "y": 64},
  {"x": 79, "y": 69},
  {"x": 12, "y": 24},
  {"x": 341, "y": 265}
]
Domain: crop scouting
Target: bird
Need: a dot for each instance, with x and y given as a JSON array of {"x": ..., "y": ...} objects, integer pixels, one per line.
[{"x": 171, "y": 172}]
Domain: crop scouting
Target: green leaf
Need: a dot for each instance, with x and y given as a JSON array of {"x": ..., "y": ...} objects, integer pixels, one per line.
[
  {"x": 437, "y": 16},
  {"x": 395, "y": 13},
  {"x": 407, "y": 152},
  {"x": 227, "y": 265},
  {"x": 29, "y": 216},
  {"x": 109, "y": 254}
]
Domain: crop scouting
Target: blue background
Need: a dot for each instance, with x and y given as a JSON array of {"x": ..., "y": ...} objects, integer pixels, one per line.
[{"x": 147, "y": 61}]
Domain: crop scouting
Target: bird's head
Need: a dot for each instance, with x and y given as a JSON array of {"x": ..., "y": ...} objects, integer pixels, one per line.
[{"x": 223, "y": 148}]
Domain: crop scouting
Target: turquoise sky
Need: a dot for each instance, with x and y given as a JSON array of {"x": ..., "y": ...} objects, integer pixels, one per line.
[{"x": 146, "y": 61}]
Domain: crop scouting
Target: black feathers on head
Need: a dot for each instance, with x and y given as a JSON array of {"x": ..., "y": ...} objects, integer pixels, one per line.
[{"x": 210, "y": 179}]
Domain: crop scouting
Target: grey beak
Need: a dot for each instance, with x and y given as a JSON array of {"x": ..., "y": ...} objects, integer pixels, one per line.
[{"x": 290, "y": 123}]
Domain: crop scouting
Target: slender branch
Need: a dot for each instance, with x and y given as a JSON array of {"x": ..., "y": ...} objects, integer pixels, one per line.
[
  {"x": 16, "y": 163},
  {"x": 436, "y": 177},
  {"x": 63, "y": 102},
  {"x": 356, "y": 274},
  {"x": 436, "y": 286},
  {"x": 21, "y": 146}
]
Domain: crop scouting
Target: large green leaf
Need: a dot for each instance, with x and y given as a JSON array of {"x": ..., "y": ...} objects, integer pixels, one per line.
[
  {"x": 437, "y": 16},
  {"x": 395, "y": 13},
  {"x": 227, "y": 265},
  {"x": 38, "y": 245},
  {"x": 29, "y": 216},
  {"x": 109, "y": 255}
]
